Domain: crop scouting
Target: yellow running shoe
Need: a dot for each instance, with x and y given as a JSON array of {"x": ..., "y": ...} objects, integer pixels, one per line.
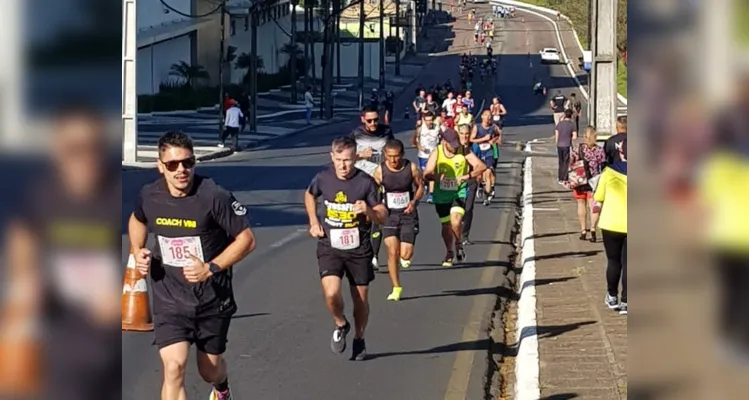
[
  {"x": 396, "y": 295},
  {"x": 448, "y": 262},
  {"x": 405, "y": 263}
]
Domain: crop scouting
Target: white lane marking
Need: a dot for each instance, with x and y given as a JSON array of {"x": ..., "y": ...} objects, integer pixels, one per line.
[
  {"x": 287, "y": 239},
  {"x": 527, "y": 361}
]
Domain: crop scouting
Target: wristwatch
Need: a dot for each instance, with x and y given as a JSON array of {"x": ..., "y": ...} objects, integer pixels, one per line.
[{"x": 215, "y": 269}]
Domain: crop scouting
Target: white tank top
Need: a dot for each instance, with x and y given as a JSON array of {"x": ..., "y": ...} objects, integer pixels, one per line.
[{"x": 428, "y": 140}]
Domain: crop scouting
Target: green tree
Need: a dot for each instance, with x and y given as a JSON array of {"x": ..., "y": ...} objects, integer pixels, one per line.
[{"x": 189, "y": 74}]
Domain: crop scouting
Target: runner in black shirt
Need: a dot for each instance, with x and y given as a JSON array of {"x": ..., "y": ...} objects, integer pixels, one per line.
[
  {"x": 403, "y": 187},
  {"x": 201, "y": 232},
  {"x": 62, "y": 275},
  {"x": 352, "y": 202},
  {"x": 370, "y": 138}
]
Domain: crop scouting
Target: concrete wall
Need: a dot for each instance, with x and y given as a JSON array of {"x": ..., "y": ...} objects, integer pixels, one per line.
[
  {"x": 350, "y": 57},
  {"x": 154, "y": 62}
]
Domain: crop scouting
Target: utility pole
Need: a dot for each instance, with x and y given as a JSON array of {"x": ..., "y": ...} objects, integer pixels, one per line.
[
  {"x": 398, "y": 38},
  {"x": 382, "y": 44},
  {"x": 253, "y": 70},
  {"x": 307, "y": 43},
  {"x": 338, "y": 48},
  {"x": 129, "y": 99},
  {"x": 361, "y": 54},
  {"x": 313, "y": 4},
  {"x": 331, "y": 29},
  {"x": 221, "y": 56},
  {"x": 602, "y": 106},
  {"x": 591, "y": 15},
  {"x": 293, "y": 56}
]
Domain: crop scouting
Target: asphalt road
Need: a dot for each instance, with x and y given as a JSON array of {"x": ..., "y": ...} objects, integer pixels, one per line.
[{"x": 430, "y": 345}]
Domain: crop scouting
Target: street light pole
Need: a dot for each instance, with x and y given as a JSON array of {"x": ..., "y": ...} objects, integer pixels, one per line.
[
  {"x": 221, "y": 56},
  {"x": 398, "y": 40},
  {"x": 361, "y": 54},
  {"x": 382, "y": 44},
  {"x": 253, "y": 70},
  {"x": 293, "y": 56}
]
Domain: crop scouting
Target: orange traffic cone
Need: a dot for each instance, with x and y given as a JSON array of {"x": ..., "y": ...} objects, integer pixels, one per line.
[
  {"x": 136, "y": 311},
  {"x": 20, "y": 351}
]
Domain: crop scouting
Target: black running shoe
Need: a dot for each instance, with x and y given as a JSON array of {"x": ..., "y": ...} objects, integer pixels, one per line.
[
  {"x": 460, "y": 254},
  {"x": 338, "y": 341},
  {"x": 359, "y": 351}
]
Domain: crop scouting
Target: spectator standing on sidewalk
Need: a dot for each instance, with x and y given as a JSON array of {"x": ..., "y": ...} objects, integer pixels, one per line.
[
  {"x": 244, "y": 106},
  {"x": 309, "y": 103},
  {"x": 593, "y": 157},
  {"x": 577, "y": 108},
  {"x": 611, "y": 191},
  {"x": 564, "y": 134},
  {"x": 613, "y": 145},
  {"x": 231, "y": 126}
]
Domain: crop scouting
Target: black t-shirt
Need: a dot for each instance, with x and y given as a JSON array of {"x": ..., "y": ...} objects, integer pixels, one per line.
[
  {"x": 559, "y": 102},
  {"x": 615, "y": 148},
  {"x": 78, "y": 244},
  {"x": 338, "y": 198},
  {"x": 203, "y": 223}
]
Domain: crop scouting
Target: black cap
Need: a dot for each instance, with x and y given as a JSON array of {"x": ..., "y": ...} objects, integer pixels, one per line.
[{"x": 451, "y": 138}]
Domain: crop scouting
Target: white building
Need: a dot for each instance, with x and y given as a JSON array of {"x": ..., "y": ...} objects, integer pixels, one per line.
[{"x": 165, "y": 37}]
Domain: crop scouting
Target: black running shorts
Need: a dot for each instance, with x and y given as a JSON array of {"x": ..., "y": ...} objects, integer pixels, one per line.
[
  {"x": 356, "y": 265},
  {"x": 209, "y": 334},
  {"x": 404, "y": 227}
]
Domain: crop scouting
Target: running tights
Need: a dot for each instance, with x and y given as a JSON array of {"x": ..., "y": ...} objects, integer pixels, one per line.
[
  {"x": 733, "y": 272},
  {"x": 473, "y": 187},
  {"x": 376, "y": 239},
  {"x": 615, "y": 244}
]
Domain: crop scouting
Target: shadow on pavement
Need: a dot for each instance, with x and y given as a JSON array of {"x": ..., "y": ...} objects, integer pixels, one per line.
[
  {"x": 503, "y": 292},
  {"x": 574, "y": 254}
]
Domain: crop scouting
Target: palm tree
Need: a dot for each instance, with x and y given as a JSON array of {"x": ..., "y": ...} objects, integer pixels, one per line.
[
  {"x": 189, "y": 74},
  {"x": 244, "y": 62},
  {"x": 292, "y": 52}
]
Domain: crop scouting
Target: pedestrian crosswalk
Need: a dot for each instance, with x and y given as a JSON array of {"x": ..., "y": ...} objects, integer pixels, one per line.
[{"x": 209, "y": 135}]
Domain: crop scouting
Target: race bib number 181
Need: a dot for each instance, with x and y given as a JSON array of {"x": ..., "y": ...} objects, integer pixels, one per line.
[
  {"x": 175, "y": 252},
  {"x": 344, "y": 239}
]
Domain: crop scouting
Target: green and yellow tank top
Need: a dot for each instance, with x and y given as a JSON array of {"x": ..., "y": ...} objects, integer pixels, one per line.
[{"x": 447, "y": 189}]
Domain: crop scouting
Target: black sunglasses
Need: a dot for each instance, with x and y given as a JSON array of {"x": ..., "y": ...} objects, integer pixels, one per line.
[
  {"x": 373, "y": 120},
  {"x": 172, "y": 166}
]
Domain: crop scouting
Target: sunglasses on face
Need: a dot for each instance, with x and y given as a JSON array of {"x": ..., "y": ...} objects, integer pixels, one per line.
[
  {"x": 372, "y": 120},
  {"x": 173, "y": 165}
]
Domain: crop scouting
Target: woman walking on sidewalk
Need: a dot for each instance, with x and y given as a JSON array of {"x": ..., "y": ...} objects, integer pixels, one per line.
[
  {"x": 611, "y": 191},
  {"x": 593, "y": 158}
]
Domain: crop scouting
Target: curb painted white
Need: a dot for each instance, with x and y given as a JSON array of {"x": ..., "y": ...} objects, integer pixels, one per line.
[
  {"x": 527, "y": 386},
  {"x": 530, "y": 8}
]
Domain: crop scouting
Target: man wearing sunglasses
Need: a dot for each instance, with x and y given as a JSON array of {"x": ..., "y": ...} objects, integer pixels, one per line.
[
  {"x": 201, "y": 232},
  {"x": 370, "y": 139}
]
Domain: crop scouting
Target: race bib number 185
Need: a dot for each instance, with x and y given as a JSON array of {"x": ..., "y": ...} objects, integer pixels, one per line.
[
  {"x": 344, "y": 239},
  {"x": 175, "y": 252}
]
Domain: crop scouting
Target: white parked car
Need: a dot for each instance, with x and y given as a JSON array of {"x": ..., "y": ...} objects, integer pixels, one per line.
[
  {"x": 480, "y": 1},
  {"x": 550, "y": 55}
]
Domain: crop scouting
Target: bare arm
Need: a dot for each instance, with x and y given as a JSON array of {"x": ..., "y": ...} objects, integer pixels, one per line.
[
  {"x": 377, "y": 175},
  {"x": 138, "y": 233},
  {"x": 310, "y": 204},
  {"x": 418, "y": 181},
  {"x": 23, "y": 277},
  {"x": 378, "y": 214},
  {"x": 556, "y": 136},
  {"x": 243, "y": 245},
  {"x": 478, "y": 166},
  {"x": 502, "y": 110},
  {"x": 431, "y": 166}
]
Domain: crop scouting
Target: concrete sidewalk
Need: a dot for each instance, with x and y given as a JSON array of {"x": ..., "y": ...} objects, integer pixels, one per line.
[{"x": 582, "y": 345}]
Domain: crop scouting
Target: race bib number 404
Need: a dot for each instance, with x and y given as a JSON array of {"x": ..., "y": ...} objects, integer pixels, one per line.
[
  {"x": 175, "y": 252},
  {"x": 398, "y": 201},
  {"x": 449, "y": 184},
  {"x": 344, "y": 239}
]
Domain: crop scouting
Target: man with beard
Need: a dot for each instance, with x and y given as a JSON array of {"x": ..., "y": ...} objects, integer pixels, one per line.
[{"x": 370, "y": 138}]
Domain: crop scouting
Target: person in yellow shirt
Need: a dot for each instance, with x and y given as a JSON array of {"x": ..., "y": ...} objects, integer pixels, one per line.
[
  {"x": 463, "y": 117},
  {"x": 611, "y": 191}
]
